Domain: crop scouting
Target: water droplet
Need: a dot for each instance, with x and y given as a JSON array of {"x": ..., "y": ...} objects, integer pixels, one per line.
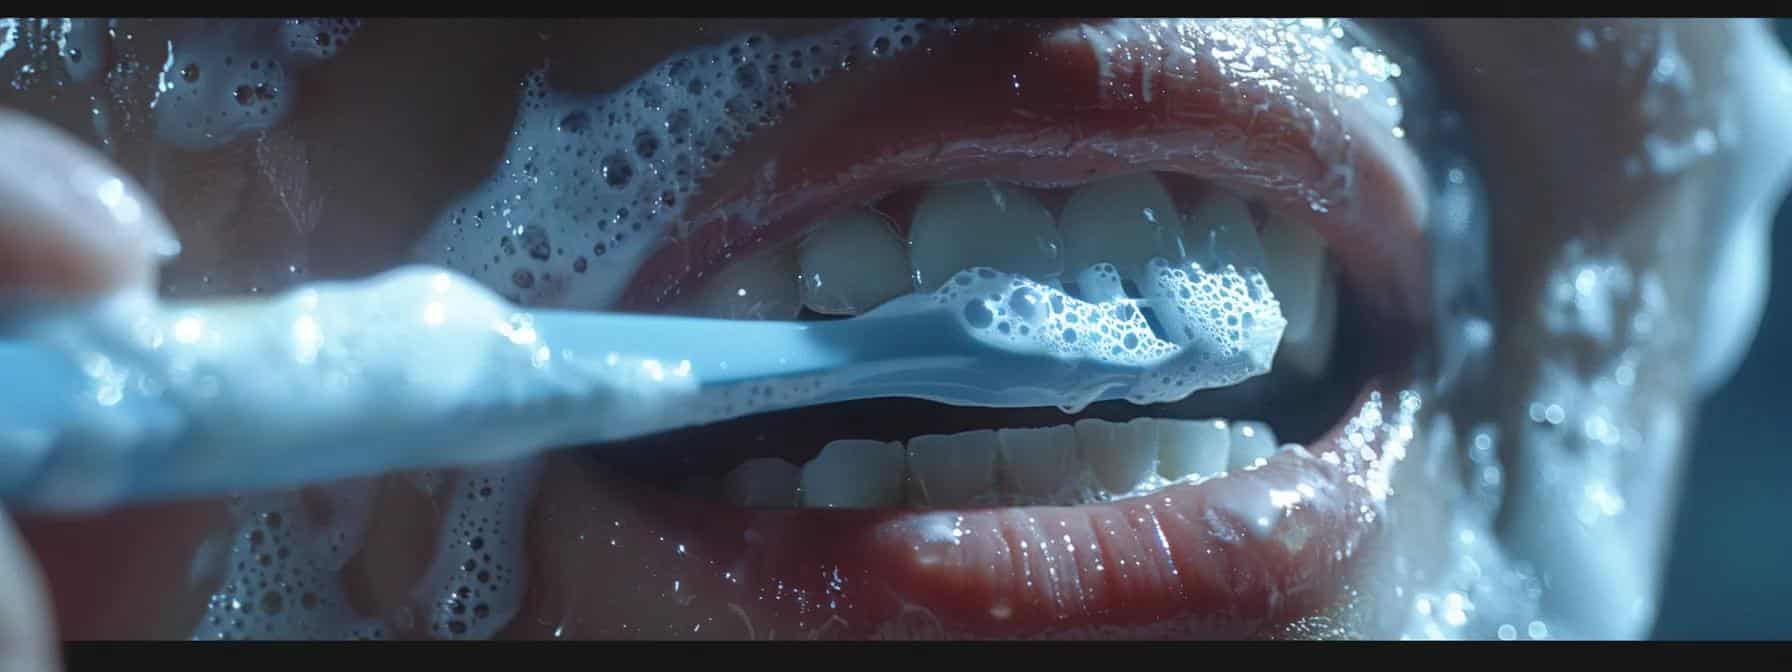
[{"x": 190, "y": 73}]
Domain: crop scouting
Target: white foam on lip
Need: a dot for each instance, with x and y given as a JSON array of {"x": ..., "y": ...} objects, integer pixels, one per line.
[{"x": 589, "y": 186}]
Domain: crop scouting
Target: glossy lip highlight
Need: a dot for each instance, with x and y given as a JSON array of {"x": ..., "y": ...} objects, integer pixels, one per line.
[{"x": 1226, "y": 557}]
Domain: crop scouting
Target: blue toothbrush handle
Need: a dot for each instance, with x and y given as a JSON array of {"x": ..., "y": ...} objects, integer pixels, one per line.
[{"x": 922, "y": 354}]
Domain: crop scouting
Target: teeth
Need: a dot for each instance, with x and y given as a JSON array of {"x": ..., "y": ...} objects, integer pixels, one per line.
[
  {"x": 1100, "y": 283},
  {"x": 1061, "y": 465},
  {"x": 1121, "y": 456},
  {"x": 854, "y": 474},
  {"x": 952, "y": 470},
  {"x": 1297, "y": 271},
  {"x": 1125, "y": 221},
  {"x": 763, "y": 483},
  {"x": 761, "y": 287},
  {"x": 1250, "y": 441},
  {"x": 851, "y": 263},
  {"x": 971, "y": 224},
  {"x": 1039, "y": 462},
  {"x": 1311, "y": 354},
  {"x": 1219, "y": 231},
  {"x": 1193, "y": 448}
]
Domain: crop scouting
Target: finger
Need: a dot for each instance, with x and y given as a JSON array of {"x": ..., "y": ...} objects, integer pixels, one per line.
[
  {"x": 71, "y": 222},
  {"x": 27, "y": 642}
]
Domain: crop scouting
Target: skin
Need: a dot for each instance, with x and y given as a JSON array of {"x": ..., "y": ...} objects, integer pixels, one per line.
[{"x": 1552, "y": 159}]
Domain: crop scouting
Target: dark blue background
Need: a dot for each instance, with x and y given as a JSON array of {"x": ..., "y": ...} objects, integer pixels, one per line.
[{"x": 1730, "y": 572}]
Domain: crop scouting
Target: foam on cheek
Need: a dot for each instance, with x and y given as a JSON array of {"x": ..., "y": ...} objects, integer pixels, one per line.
[
  {"x": 586, "y": 189},
  {"x": 475, "y": 583},
  {"x": 281, "y": 570},
  {"x": 590, "y": 185},
  {"x": 233, "y": 78}
]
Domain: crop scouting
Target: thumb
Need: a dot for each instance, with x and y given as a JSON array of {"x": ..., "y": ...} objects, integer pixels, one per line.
[
  {"x": 70, "y": 221},
  {"x": 71, "y": 224}
]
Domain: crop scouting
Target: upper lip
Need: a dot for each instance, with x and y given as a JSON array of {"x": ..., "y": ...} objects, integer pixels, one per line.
[
  {"x": 1060, "y": 104},
  {"x": 1056, "y": 104}
]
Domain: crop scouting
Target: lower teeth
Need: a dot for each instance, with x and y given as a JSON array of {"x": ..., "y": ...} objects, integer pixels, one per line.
[{"x": 1090, "y": 461}]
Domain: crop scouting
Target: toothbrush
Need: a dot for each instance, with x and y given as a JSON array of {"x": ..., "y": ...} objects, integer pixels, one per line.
[{"x": 420, "y": 368}]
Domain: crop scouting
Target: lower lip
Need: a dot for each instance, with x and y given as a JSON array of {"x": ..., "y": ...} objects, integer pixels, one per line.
[{"x": 1230, "y": 557}]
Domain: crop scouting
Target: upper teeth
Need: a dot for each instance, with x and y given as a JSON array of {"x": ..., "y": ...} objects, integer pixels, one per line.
[
  {"x": 960, "y": 226},
  {"x": 762, "y": 287},
  {"x": 1103, "y": 236},
  {"x": 1296, "y": 269},
  {"x": 1065, "y": 464},
  {"x": 1220, "y": 231},
  {"x": 875, "y": 271},
  {"x": 1125, "y": 221}
]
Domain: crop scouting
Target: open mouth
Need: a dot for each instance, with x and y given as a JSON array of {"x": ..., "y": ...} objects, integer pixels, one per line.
[{"x": 1230, "y": 513}]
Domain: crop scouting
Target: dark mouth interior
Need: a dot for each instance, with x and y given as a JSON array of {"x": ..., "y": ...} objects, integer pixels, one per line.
[{"x": 1299, "y": 410}]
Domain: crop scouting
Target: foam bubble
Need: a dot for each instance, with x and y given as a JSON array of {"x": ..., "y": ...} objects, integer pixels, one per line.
[
  {"x": 475, "y": 583},
  {"x": 231, "y": 78},
  {"x": 281, "y": 570},
  {"x": 605, "y": 176},
  {"x": 1193, "y": 329}
]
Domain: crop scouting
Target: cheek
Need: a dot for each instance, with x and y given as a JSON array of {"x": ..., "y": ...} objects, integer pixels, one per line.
[{"x": 135, "y": 574}]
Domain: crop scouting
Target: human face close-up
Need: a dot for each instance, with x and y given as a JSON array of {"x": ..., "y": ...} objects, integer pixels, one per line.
[{"x": 1440, "y": 298}]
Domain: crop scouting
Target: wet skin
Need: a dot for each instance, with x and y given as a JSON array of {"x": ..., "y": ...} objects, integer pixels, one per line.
[{"x": 1555, "y": 125}]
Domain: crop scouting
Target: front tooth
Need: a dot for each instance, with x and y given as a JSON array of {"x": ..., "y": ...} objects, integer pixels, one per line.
[
  {"x": 1126, "y": 220},
  {"x": 1036, "y": 463},
  {"x": 1122, "y": 456},
  {"x": 761, "y": 287},
  {"x": 1218, "y": 231},
  {"x": 1251, "y": 440},
  {"x": 972, "y": 224},
  {"x": 1293, "y": 260},
  {"x": 851, "y": 263},
  {"x": 1193, "y": 448},
  {"x": 763, "y": 483},
  {"x": 952, "y": 470},
  {"x": 854, "y": 474},
  {"x": 1310, "y": 354}
]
